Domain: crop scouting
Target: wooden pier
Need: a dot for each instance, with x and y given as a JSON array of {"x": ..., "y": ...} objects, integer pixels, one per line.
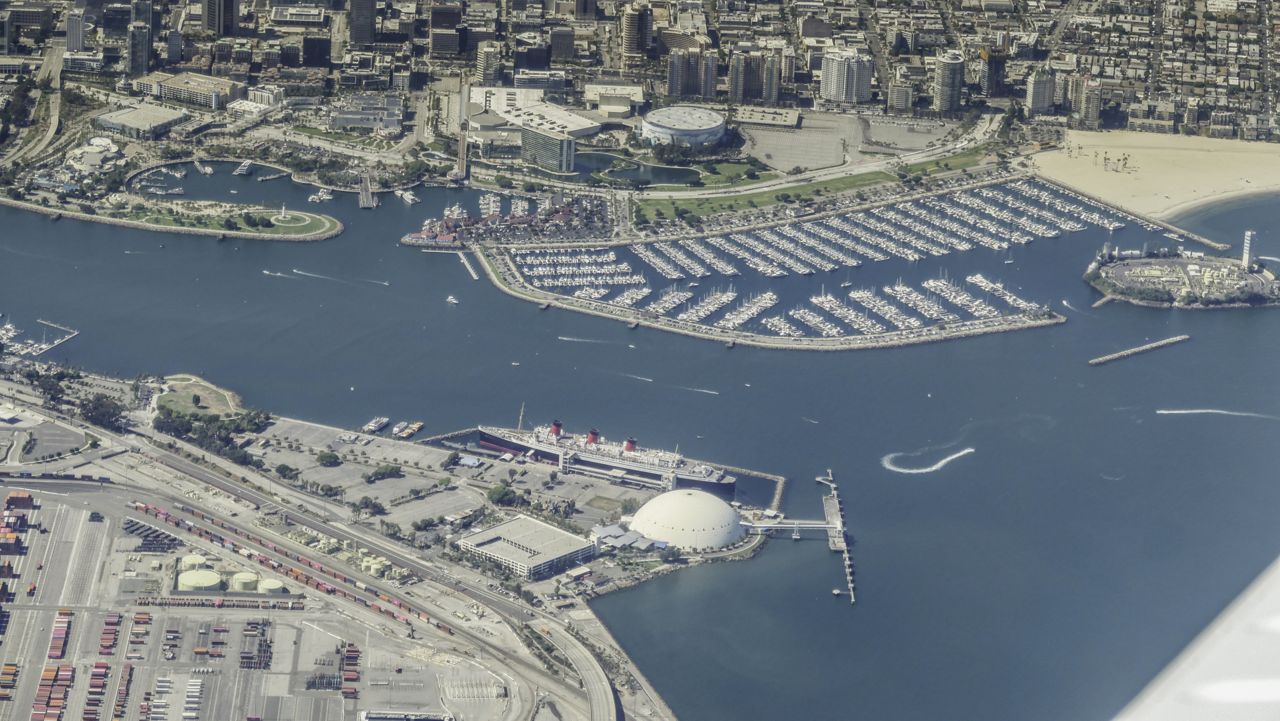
[{"x": 1140, "y": 349}]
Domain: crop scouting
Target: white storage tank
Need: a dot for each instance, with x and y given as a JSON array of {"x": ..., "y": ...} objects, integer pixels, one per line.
[
  {"x": 200, "y": 579},
  {"x": 245, "y": 581},
  {"x": 192, "y": 562},
  {"x": 271, "y": 585}
]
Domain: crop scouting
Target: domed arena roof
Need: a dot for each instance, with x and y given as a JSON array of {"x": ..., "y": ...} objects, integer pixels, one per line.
[{"x": 691, "y": 520}]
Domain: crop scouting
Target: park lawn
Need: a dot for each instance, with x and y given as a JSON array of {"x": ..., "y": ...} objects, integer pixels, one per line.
[
  {"x": 304, "y": 224},
  {"x": 212, "y": 398},
  {"x": 363, "y": 141},
  {"x": 704, "y": 207},
  {"x": 731, "y": 173},
  {"x": 967, "y": 159}
]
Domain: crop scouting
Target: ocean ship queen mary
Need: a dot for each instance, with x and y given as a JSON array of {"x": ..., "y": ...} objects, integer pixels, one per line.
[{"x": 624, "y": 463}]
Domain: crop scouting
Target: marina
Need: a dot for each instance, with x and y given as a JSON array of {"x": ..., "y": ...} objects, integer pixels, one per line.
[{"x": 10, "y": 336}]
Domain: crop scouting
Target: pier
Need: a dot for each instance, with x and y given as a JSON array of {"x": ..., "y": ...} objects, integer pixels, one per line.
[
  {"x": 1140, "y": 349},
  {"x": 467, "y": 264},
  {"x": 367, "y": 198},
  {"x": 832, "y": 523}
]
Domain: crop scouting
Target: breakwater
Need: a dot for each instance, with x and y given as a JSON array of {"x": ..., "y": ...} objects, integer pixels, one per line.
[{"x": 1139, "y": 349}]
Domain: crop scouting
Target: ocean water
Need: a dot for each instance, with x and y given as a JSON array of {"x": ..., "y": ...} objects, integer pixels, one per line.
[{"x": 1047, "y": 574}]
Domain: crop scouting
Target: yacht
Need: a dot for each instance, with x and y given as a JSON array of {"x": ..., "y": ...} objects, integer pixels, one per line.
[{"x": 451, "y": 300}]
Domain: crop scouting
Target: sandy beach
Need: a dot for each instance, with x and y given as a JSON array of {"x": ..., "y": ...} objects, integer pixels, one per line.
[{"x": 1162, "y": 175}]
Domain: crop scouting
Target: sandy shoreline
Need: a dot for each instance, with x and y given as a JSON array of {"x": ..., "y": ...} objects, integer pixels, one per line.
[{"x": 1165, "y": 175}]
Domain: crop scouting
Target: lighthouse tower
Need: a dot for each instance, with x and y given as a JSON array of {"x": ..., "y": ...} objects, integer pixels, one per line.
[{"x": 1244, "y": 255}]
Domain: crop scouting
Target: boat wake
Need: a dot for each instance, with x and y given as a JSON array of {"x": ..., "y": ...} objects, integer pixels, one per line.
[
  {"x": 274, "y": 274},
  {"x": 571, "y": 339},
  {"x": 636, "y": 377},
  {"x": 708, "y": 391},
  {"x": 385, "y": 283},
  {"x": 810, "y": 420},
  {"x": 1213, "y": 412},
  {"x": 1071, "y": 307},
  {"x": 134, "y": 252},
  {"x": 317, "y": 275},
  {"x": 888, "y": 464}
]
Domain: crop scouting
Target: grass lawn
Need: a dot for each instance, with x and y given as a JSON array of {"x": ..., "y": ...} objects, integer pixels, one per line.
[
  {"x": 363, "y": 141},
  {"x": 299, "y": 223},
  {"x": 711, "y": 206},
  {"x": 967, "y": 159},
  {"x": 212, "y": 398},
  {"x": 730, "y": 173},
  {"x": 601, "y": 503}
]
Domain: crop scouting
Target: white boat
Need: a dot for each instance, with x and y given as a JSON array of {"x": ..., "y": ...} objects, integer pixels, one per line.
[
  {"x": 836, "y": 592},
  {"x": 451, "y": 300}
]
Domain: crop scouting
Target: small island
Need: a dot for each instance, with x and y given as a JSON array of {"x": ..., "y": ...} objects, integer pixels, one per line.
[{"x": 1179, "y": 278}]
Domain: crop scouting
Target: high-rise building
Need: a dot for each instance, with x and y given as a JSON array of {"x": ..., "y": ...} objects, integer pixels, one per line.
[
  {"x": 692, "y": 73},
  {"x": 948, "y": 81},
  {"x": 637, "y": 30},
  {"x": 139, "y": 56},
  {"x": 585, "y": 9},
  {"x": 846, "y": 76},
  {"x": 563, "y": 43},
  {"x": 902, "y": 97},
  {"x": 8, "y": 33},
  {"x": 221, "y": 17},
  {"x": 991, "y": 71},
  {"x": 771, "y": 79},
  {"x": 173, "y": 47},
  {"x": 547, "y": 149},
  {"x": 1089, "y": 103},
  {"x": 75, "y": 30},
  {"x": 489, "y": 62},
  {"x": 746, "y": 76},
  {"x": 1040, "y": 87},
  {"x": 362, "y": 21}
]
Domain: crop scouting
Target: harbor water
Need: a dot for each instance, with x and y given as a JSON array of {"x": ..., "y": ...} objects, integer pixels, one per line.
[{"x": 1103, "y": 516}]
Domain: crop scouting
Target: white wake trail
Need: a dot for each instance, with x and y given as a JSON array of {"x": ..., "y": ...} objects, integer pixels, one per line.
[
  {"x": 888, "y": 464},
  {"x": 1213, "y": 412}
]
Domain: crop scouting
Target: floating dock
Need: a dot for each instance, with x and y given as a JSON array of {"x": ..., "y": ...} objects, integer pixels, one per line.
[
  {"x": 1140, "y": 349},
  {"x": 467, "y": 264}
]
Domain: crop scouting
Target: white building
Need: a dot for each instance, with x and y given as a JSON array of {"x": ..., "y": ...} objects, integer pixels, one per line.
[
  {"x": 948, "y": 81},
  {"x": 846, "y": 76},
  {"x": 1039, "y": 92},
  {"x": 528, "y": 547},
  {"x": 690, "y": 520}
]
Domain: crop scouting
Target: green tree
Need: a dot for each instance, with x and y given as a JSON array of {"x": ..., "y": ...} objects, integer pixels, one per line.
[
  {"x": 328, "y": 459},
  {"x": 104, "y": 411}
]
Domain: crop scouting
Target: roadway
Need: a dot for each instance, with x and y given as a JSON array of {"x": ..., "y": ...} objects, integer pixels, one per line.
[{"x": 594, "y": 680}]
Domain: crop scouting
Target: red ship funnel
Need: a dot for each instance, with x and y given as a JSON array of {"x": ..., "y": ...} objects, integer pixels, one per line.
[
  {"x": 593, "y": 436},
  {"x": 556, "y": 428},
  {"x": 630, "y": 445}
]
